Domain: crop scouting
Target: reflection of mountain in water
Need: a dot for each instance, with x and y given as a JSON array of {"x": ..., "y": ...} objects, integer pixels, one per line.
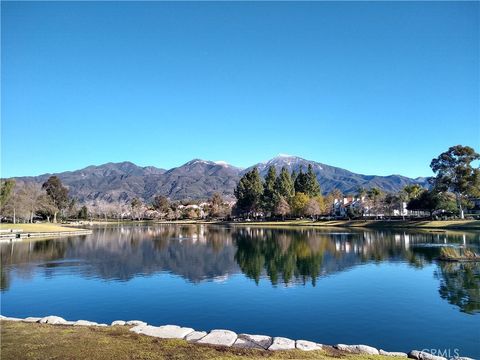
[
  {"x": 213, "y": 252},
  {"x": 186, "y": 254}
]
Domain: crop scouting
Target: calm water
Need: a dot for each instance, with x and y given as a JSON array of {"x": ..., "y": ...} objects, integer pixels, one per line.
[{"x": 373, "y": 287}]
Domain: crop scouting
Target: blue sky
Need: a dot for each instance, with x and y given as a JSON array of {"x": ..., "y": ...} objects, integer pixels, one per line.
[{"x": 373, "y": 87}]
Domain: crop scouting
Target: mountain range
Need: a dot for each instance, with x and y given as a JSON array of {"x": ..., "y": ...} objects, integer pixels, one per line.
[{"x": 200, "y": 179}]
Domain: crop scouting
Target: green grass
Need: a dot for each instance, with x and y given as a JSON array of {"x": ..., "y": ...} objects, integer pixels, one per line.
[
  {"x": 447, "y": 224},
  {"x": 38, "y": 341},
  {"x": 34, "y": 228}
]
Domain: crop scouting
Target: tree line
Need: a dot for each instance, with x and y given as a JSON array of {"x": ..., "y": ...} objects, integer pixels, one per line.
[
  {"x": 28, "y": 201},
  {"x": 280, "y": 194},
  {"x": 451, "y": 190}
]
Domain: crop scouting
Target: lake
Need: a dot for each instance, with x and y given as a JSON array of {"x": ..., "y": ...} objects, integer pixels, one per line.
[{"x": 380, "y": 288}]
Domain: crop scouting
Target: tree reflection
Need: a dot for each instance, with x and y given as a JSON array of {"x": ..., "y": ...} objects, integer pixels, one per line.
[
  {"x": 460, "y": 284},
  {"x": 283, "y": 255},
  {"x": 201, "y": 253}
]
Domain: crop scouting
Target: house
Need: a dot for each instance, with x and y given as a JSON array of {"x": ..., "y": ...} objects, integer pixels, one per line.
[
  {"x": 349, "y": 205},
  {"x": 476, "y": 206}
]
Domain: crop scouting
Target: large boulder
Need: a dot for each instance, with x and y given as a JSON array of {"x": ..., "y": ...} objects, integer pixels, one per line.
[
  {"x": 423, "y": 355},
  {"x": 260, "y": 341},
  {"x": 118, "y": 322},
  {"x": 358, "y": 349},
  {"x": 84, "y": 323},
  {"x": 307, "y": 345},
  {"x": 245, "y": 344},
  {"x": 219, "y": 337},
  {"x": 281, "y": 343},
  {"x": 195, "y": 336},
  {"x": 392, "y": 353},
  {"x": 164, "y": 332},
  {"x": 136, "y": 322},
  {"x": 55, "y": 320}
]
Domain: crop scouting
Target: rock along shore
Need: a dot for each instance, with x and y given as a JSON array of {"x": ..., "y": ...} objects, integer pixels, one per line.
[{"x": 229, "y": 338}]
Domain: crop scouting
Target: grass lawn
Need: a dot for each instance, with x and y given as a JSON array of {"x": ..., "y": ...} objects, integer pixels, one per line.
[
  {"x": 32, "y": 228},
  {"x": 38, "y": 341},
  {"x": 426, "y": 224}
]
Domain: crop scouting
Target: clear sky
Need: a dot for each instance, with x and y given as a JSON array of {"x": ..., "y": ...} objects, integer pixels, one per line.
[{"x": 373, "y": 87}]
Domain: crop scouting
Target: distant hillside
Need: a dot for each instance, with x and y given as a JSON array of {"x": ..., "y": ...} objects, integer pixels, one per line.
[
  {"x": 199, "y": 179},
  {"x": 331, "y": 177}
]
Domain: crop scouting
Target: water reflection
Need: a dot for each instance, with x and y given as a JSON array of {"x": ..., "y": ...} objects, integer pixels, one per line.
[
  {"x": 199, "y": 253},
  {"x": 460, "y": 285}
]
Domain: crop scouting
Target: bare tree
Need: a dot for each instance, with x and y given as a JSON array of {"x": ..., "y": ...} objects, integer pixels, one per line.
[{"x": 313, "y": 208}]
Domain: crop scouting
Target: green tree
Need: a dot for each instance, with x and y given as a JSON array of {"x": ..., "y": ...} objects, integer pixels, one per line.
[
  {"x": 57, "y": 193},
  {"x": 6, "y": 191},
  {"x": 455, "y": 173},
  {"x": 7, "y": 205},
  {"x": 429, "y": 201},
  {"x": 284, "y": 185},
  {"x": 312, "y": 188},
  {"x": 294, "y": 175},
  {"x": 299, "y": 203},
  {"x": 161, "y": 203},
  {"x": 249, "y": 192},
  {"x": 361, "y": 192},
  {"x": 83, "y": 213},
  {"x": 301, "y": 182},
  {"x": 410, "y": 192},
  {"x": 269, "y": 197}
]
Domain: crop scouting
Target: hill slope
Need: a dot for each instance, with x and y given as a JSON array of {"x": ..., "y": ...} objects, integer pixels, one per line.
[{"x": 199, "y": 179}]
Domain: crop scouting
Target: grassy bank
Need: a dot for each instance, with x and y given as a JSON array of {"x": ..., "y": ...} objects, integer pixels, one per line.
[
  {"x": 38, "y": 341},
  {"x": 36, "y": 228},
  {"x": 445, "y": 225}
]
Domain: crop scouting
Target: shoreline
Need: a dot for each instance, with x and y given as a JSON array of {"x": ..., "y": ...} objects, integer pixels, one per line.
[
  {"x": 228, "y": 339},
  {"x": 370, "y": 224},
  {"x": 21, "y": 232}
]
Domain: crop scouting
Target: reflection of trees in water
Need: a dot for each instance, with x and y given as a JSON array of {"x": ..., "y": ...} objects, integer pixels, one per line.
[
  {"x": 282, "y": 254},
  {"x": 28, "y": 254},
  {"x": 460, "y": 284},
  {"x": 304, "y": 255},
  {"x": 123, "y": 252},
  {"x": 202, "y": 252}
]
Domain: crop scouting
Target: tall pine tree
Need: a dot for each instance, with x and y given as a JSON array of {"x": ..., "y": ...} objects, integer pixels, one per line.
[
  {"x": 301, "y": 182},
  {"x": 312, "y": 188},
  {"x": 269, "y": 198},
  {"x": 284, "y": 185},
  {"x": 249, "y": 192}
]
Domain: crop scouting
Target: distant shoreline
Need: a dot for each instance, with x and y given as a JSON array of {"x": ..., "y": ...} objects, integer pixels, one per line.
[
  {"x": 48, "y": 230},
  {"x": 383, "y": 224}
]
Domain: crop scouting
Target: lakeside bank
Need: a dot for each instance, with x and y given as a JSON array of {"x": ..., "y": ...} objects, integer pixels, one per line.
[
  {"x": 12, "y": 232},
  {"x": 68, "y": 339},
  {"x": 9, "y": 232},
  {"x": 372, "y": 224}
]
